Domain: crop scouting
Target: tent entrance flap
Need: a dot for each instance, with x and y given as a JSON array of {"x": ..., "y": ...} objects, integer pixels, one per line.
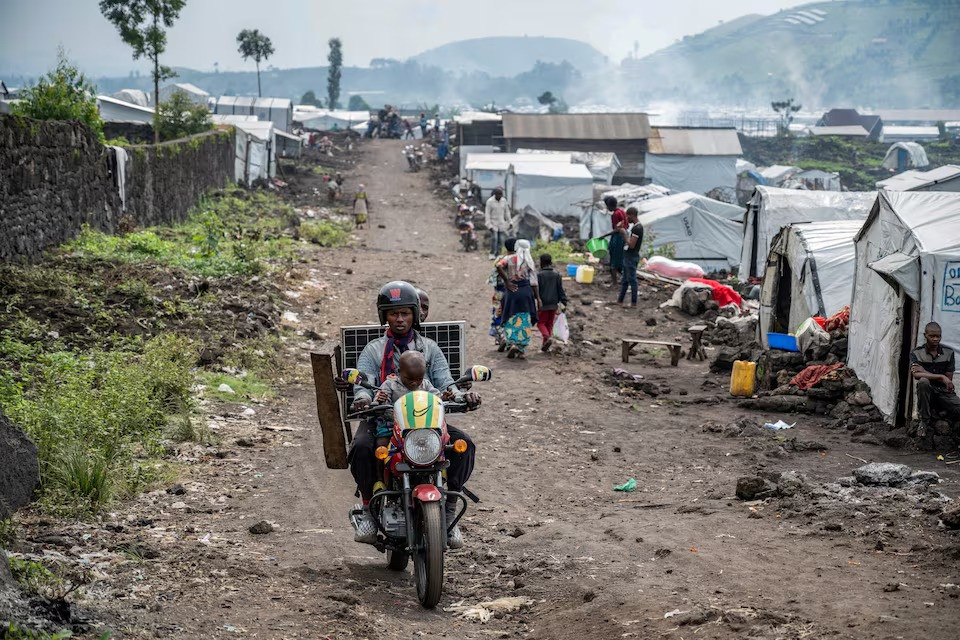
[{"x": 900, "y": 270}]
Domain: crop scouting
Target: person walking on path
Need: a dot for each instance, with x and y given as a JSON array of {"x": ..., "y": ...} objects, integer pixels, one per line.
[
  {"x": 499, "y": 289},
  {"x": 496, "y": 216},
  {"x": 552, "y": 297},
  {"x": 631, "y": 259},
  {"x": 522, "y": 300},
  {"x": 619, "y": 220},
  {"x": 423, "y": 124},
  {"x": 361, "y": 206}
]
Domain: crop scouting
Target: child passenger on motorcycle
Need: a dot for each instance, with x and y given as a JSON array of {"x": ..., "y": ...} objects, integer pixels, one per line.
[{"x": 411, "y": 376}]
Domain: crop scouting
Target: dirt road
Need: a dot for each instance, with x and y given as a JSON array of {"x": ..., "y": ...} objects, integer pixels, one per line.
[{"x": 680, "y": 557}]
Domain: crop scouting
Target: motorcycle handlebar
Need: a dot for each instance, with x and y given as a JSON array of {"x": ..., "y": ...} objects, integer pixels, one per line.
[{"x": 380, "y": 409}]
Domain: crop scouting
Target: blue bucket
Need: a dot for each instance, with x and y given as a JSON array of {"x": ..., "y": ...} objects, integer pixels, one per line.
[
  {"x": 782, "y": 341},
  {"x": 572, "y": 270}
]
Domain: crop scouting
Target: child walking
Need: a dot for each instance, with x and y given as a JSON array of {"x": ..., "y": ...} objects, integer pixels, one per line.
[{"x": 551, "y": 297}]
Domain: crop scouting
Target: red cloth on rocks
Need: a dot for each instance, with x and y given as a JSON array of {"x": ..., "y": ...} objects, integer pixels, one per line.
[
  {"x": 810, "y": 376},
  {"x": 723, "y": 294}
]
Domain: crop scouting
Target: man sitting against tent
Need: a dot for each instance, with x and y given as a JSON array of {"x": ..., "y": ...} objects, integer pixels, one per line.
[{"x": 932, "y": 366}]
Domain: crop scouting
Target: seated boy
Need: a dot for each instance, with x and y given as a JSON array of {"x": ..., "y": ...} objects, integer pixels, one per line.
[{"x": 411, "y": 376}]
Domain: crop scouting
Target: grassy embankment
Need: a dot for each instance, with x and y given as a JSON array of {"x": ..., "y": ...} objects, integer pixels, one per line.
[{"x": 103, "y": 342}]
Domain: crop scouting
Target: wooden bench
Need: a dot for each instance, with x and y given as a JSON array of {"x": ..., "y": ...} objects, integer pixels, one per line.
[
  {"x": 696, "y": 347},
  {"x": 629, "y": 344}
]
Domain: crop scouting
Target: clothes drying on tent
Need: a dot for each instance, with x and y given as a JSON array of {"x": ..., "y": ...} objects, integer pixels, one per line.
[
  {"x": 771, "y": 209},
  {"x": 907, "y": 274},
  {"x": 809, "y": 273}
]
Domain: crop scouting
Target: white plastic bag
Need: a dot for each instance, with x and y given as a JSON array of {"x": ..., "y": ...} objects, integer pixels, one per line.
[{"x": 560, "y": 329}]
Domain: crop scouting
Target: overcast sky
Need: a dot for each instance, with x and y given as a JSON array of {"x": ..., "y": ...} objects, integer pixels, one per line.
[{"x": 207, "y": 29}]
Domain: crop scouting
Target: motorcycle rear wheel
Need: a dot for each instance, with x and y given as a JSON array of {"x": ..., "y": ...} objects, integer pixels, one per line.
[
  {"x": 397, "y": 560},
  {"x": 428, "y": 559}
]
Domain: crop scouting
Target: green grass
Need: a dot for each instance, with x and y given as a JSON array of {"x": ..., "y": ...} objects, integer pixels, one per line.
[
  {"x": 248, "y": 387},
  {"x": 93, "y": 414},
  {"x": 561, "y": 251},
  {"x": 326, "y": 233},
  {"x": 33, "y": 577},
  {"x": 233, "y": 232}
]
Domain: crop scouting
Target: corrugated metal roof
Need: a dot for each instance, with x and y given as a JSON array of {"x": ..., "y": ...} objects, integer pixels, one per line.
[
  {"x": 694, "y": 142},
  {"x": 577, "y": 126}
]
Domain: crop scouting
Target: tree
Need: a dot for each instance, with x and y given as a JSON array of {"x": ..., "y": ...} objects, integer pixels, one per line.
[
  {"x": 333, "y": 73},
  {"x": 546, "y": 98},
  {"x": 786, "y": 109},
  {"x": 63, "y": 94},
  {"x": 180, "y": 117},
  {"x": 554, "y": 104},
  {"x": 141, "y": 24},
  {"x": 253, "y": 44},
  {"x": 311, "y": 98},
  {"x": 357, "y": 103}
]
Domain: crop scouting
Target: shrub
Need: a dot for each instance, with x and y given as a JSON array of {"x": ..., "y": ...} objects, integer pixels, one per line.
[
  {"x": 560, "y": 250},
  {"x": 90, "y": 414},
  {"x": 179, "y": 117},
  {"x": 62, "y": 94},
  {"x": 325, "y": 233}
]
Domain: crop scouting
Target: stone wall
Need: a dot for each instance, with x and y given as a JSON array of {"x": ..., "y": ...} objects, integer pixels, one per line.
[
  {"x": 134, "y": 132},
  {"x": 55, "y": 177},
  {"x": 165, "y": 181}
]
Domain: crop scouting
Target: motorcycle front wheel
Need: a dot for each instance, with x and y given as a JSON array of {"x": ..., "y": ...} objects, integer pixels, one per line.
[
  {"x": 428, "y": 559},
  {"x": 397, "y": 560}
]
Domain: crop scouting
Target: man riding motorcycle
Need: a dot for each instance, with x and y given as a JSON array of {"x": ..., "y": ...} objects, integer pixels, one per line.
[{"x": 398, "y": 306}]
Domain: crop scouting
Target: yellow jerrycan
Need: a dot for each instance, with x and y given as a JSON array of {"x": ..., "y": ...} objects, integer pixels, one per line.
[{"x": 743, "y": 378}]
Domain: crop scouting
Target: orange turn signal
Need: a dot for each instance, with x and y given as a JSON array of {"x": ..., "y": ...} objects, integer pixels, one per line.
[
  {"x": 460, "y": 446},
  {"x": 382, "y": 453}
]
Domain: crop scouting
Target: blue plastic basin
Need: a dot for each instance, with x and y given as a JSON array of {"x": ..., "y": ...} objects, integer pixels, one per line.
[{"x": 782, "y": 341}]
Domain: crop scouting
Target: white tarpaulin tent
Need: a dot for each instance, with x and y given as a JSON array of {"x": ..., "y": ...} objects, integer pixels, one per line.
[
  {"x": 467, "y": 149},
  {"x": 554, "y": 189},
  {"x": 914, "y": 155},
  {"x": 489, "y": 170},
  {"x": 255, "y": 153},
  {"x": 907, "y": 274},
  {"x": 945, "y": 178},
  {"x": 595, "y": 218},
  {"x": 318, "y": 119},
  {"x": 279, "y": 111},
  {"x": 697, "y": 235},
  {"x": 602, "y": 165},
  {"x": 195, "y": 93},
  {"x": 809, "y": 273},
  {"x": 113, "y": 110},
  {"x": 134, "y": 96},
  {"x": 771, "y": 209},
  {"x": 721, "y": 209},
  {"x": 699, "y": 174}
]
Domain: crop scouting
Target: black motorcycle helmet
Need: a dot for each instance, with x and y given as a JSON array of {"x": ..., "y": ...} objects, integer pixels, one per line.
[{"x": 397, "y": 295}]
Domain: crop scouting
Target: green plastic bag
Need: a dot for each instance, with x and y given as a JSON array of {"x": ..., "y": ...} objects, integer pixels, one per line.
[{"x": 628, "y": 486}]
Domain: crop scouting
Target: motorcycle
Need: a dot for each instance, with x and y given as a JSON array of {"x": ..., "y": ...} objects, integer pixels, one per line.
[
  {"x": 408, "y": 504},
  {"x": 468, "y": 236},
  {"x": 414, "y": 158}
]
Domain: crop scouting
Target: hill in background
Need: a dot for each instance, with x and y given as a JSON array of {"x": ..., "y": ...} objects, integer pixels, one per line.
[
  {"x": 871, "y": 52},
  {"x": 508, "y": 56}
]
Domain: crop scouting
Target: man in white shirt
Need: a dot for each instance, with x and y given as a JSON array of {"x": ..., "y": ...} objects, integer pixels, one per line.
[{"x": 496, "y": 216}]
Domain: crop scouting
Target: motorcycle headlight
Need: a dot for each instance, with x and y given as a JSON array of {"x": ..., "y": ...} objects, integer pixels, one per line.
[{"x": 422, "y": 446}]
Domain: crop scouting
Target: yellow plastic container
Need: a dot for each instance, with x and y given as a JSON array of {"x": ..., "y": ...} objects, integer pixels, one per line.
[
  {"x": 585, "y": 274},
  {"x": 743, "y": 379}
]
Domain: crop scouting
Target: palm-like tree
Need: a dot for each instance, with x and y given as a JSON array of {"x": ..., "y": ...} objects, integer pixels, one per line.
[{"x": 254, "y": 44}]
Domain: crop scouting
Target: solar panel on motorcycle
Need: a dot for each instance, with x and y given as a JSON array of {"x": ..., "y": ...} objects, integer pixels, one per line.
[{"x": 449, "y": 336}]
